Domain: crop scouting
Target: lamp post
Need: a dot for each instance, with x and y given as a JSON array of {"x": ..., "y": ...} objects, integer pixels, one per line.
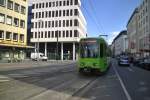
[
  {"x": 39, "y": 26},
  {"x": 57, "y": 47}
]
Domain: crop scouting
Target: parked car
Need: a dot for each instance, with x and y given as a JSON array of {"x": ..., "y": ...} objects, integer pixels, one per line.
[
  {"x": 124, "y": 60},
  {"x": 145, "y": 63},
  {"x": 38, "y": 56}
]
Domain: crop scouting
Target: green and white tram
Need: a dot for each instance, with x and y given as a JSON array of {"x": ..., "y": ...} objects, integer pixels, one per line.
[{"x": 93, "y": 55}]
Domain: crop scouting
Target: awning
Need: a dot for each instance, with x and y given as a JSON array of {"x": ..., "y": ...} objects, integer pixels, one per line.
[{"x": 17, "y": 46}]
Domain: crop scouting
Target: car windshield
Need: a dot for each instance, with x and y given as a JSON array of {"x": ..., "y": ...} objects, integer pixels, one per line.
[{"x": 89, "y": 49}]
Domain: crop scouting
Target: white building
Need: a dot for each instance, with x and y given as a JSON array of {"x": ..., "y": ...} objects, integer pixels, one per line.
[
  {"x": 120, "y": 43},
  {"x": 58, "y": 26}
]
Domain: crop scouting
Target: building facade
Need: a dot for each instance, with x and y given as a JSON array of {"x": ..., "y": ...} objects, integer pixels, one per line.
[
  {"x": 57, "y": 27},
  {"x": 120, "y": 44},
  {"x": 139, "y": 23},
  {"x": 13, "y": 28}
]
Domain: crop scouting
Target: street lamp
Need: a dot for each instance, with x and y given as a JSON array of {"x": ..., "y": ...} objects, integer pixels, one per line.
[{"x": 39, "y": 24}]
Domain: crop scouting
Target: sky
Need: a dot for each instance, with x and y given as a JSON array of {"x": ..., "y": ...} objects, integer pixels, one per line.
[{"x": 107, "y": 17}]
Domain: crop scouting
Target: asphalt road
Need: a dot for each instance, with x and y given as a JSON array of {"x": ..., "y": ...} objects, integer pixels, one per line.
[{"x": 63, "y": 82}]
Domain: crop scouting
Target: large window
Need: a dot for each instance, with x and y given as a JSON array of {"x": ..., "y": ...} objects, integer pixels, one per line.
[
  {"x": 76, "y": 23},
  {"x": 89, "y": 49},
  {"x": 8, "y": 35},
  {"x": 76, "y": 12},
  {"x": 22, "y": 37},
  {"x": 16, "y": 22},
  {"x": 10, "y": 4},
  {"x": 9, "y": 20},
  {"x": 1, "y": 34},
  {"x": 22, "y": 24},
  {"x": 17, "y": 7},
  {"x": 15, "y": 37},
  {"x": 23, "y": 10},
  {"x": 2, "y": 2},
  {"x": 2, "y": 18}
]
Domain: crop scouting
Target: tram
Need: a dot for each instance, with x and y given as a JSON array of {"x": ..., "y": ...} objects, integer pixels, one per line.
[{"x": 93, "y": 55}]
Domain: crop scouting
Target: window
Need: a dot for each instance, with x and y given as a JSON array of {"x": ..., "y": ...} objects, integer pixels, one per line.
[
  {"x": 56, "y": 33},
  {"x": 67, "y": 34},
  {"x": 2, "y": 18},
  {"x": 33, "y": 6},
  {"x": 45, "y": 34},
  {"x": 52, "y": 34},
  {"x": 70, "y": 33},
  {"x": 17, "y": 7},
  {"x": 67, "y": 12},
  {"x": 39, "y": 14},
  {"x": 70, "y": 22},
  {"x": 15, "y": 37},
  {"x": 75, "y": 33},
  {"x": 16, "y": 22},
  {"x": 64, "y": 12},
  {"x": 64, "y": 3},
  {"x": 50, "y": 4},
  {"x": 59, "y": 33},
  {"x": 49, "y": 34},
  {"x": 53, "y": 4},
  {"x": 36, "y": 14},
  {"x": 45, "y": 24},
  {"x": 37, "y": 5},
  {"x": 71, "y": 2},
  {"x": 56, "y": 3},
  {"x": 63, "y": 33},
  {"x": 43, "y": 5},
  {"x": 67, "y": 2},
  {"x": 49, "y": 13},
  {"x": 35, "y": 35},
  {"x": 22, "y": 24},
  {"x": 23, "y": 10},
  {"x": 63, "y": 23},
  {"x": 59, "y": 13},
  {"x": 10, "y": 4},
  {"x": 41, "y": 34},
  {"x": 42, "y": 14},
  {"x": 22, "y": 37},
  {"x": 56, "y": 23},
  {"x": 8, "y": 35},
  {"x": 60, "y": 3},
  {"x": 9, "y": 20},
  {"x": 46, "y": 4},
  {"x": 101, "y": 50},
  {"x": 53, "y": 13},
  {"x": 1, "y": 34},
  {"x": 67, "y": 23},
  {"x": 76, "y": 23},
  {"x": 46, "y": 14},
  {"x": 71, "y": 12},
  {"x": 52, "y": 23},
  {"x": 75, "y": 12},
  {"x": 59, "y": 23},
  {"x": 40, "y": 5},
  {"x": 76, "y": 2},
  {"x": 32, "y": 16},
  {"x": 49, "y": 24},
  {"x": 2, "y": 2}
]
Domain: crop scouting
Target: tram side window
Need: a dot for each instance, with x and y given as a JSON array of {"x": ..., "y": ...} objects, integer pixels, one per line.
[{"x": 101, "y": 50}]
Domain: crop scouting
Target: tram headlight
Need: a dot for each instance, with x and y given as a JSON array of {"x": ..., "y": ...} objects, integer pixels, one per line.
[
  {"x": 82, "y": 64},
  {"x": 95, "y": 64}
]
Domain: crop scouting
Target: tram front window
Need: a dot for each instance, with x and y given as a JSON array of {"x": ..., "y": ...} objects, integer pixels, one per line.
[{"x": 89, "y": 50}]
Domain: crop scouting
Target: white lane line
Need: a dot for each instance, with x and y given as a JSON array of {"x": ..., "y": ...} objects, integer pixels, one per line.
[
  {"x": 131, "y": 70},
  {"x": 122, "y": 84},
  {"x": 4, "y": 80}
]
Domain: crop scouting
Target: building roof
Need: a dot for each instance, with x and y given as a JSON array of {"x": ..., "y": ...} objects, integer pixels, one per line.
[
  {"x": 124, "y": 32},
  {"x": 134, "y": 12}
]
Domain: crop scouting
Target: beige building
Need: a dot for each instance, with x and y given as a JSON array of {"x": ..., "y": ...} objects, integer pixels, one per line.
[
  {"x": 13, "y": 29},
  {"x": 138, "y": 29}
]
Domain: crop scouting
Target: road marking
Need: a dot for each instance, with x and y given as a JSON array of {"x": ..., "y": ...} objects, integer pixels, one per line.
[
  {"x": 131, "y": 70},
  {"x": 4, "y": 80},
  {"x": 122, "y": 84}
]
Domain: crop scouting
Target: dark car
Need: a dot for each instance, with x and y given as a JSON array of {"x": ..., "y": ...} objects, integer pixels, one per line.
[
  {"x": 124, "y": 60},
  {"x": 145, "y": 63}
]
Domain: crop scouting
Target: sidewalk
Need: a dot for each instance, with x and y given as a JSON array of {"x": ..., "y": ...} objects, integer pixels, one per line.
[{"x": 29, "y": 64}]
